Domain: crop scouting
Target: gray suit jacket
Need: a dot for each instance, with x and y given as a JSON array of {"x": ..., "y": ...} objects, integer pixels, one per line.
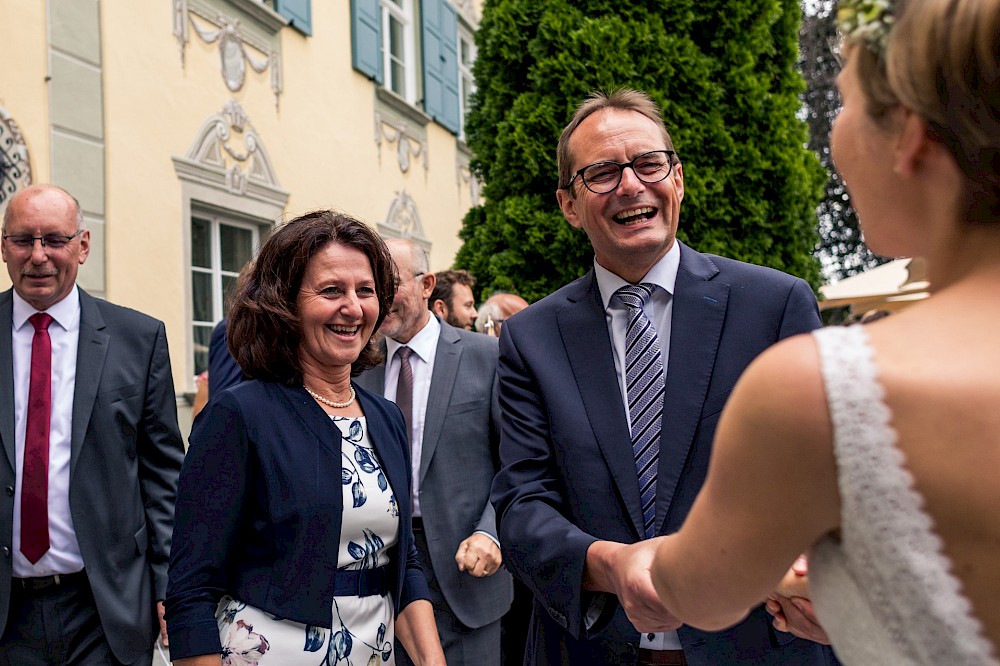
[
  {"x": 457, "y": 464},
  {"x": 126, "y": 454}
]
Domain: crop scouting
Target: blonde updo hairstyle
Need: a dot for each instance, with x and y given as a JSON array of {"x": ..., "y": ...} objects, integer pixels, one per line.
[{"x": 942, "y": 61}]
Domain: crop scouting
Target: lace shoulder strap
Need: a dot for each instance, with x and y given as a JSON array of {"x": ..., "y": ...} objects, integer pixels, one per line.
[{"x": 887, "y": 538}]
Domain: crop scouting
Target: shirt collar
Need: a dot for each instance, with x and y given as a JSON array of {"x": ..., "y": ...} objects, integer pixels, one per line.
[
  {"x": 422, "y": 343},
  {"x": 663, "y": 274},
  {"x": 66, "y": 312}
]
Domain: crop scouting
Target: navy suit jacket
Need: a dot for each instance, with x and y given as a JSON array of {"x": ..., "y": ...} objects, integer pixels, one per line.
[
  {"x": 260, "y": 506},
  {"x": 223, "y": 371},
  {"x": 568, "y": 476}
]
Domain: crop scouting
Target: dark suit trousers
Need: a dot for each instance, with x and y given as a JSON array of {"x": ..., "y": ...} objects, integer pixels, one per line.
[
  {"x": 462, "y": 645},
  {"x": 56, "y": 625}
]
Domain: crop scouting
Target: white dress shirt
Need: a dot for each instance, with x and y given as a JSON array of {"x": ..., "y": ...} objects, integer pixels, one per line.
[
  {"x": 63, "y": 555},
  {"x": 658, "y": 309},
  {"x": 424, "y": 346}
]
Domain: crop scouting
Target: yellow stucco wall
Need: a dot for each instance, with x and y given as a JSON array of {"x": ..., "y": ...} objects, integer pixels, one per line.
[{"x": 320, "y": 140}]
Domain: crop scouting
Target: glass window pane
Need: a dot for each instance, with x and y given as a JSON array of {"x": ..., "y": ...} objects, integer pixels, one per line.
[
  {"x": 398, "y": 79},
  {"x": 201, "y": 296},
  {"x": 396, "y": 38},
  {"x": 202, "y": 335},
  {"x": 201, "y": 242},
  {"x": 235, "y": 246}
]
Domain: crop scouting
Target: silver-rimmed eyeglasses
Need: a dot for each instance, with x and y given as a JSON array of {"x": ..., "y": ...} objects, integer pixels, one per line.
[
  {"x": 604, "y": 177},
  {"x": 51, "y": 241}
]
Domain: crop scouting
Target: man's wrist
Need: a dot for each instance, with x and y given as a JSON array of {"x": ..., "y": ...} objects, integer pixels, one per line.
[
  {"x": 598, "y": 566},
  {"x": 491, "y": 537}
]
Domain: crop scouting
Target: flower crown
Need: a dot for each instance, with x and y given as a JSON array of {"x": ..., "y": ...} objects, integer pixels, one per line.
[{"x": 868, "y": 21}]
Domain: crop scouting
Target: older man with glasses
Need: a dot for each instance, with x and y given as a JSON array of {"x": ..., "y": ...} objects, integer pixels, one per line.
[
  {"x": 88, "y": 421},
  {"x": 611, "y": 389}
]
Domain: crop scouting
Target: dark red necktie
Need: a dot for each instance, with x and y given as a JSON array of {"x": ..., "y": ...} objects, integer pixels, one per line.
[{"x": 35, "y": 474}]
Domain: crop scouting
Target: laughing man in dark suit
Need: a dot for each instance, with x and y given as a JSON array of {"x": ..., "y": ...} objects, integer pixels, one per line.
[{"x": 573, "y": 504}]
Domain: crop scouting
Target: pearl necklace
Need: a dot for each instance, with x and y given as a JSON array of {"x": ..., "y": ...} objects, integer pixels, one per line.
[{"x": 331, "y": 403}]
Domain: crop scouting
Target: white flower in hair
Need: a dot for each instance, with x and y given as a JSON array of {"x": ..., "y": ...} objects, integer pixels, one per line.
[{"x": 868, "y": 21}]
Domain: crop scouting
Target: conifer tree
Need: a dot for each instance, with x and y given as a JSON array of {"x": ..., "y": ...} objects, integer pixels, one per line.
[{"x": 724, "y": 72}]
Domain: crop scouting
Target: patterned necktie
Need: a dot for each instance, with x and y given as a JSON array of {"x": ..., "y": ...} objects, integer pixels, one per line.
[
  {"x": 404, "y": 390},
  {"x": 644, "y": 385},
  {"x": 35, "y": 473}
]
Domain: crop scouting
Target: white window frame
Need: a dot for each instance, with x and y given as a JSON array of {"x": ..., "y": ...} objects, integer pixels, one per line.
[
  {"x": 466, "y": 82},
  {"x": 403, "y": 13},
  {"x": 216, "y": 221}
]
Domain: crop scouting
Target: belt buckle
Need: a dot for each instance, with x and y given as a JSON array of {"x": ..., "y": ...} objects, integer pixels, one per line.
[{"x": 40, "y": 582}]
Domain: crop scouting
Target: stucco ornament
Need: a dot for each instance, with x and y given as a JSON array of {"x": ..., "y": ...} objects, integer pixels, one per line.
[
  {"x": 867, "y": 21},
  {"x": 15, "y": 165}
]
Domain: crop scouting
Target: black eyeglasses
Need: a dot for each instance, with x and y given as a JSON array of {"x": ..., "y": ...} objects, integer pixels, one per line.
[
  {"x": 604, "y": 177},
  {"x": 51, "y": 241}
]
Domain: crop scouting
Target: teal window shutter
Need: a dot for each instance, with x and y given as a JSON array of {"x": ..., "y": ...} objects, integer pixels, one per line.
[
  {"x": 298, "y": 13},
  {"x": 366, "y": 49},
  {"x": 440, "y": 47}
]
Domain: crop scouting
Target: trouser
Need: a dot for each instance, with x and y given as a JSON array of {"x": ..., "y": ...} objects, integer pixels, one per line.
[
  {"x": 54, "y": 622},
  {"x": 462, "y": 645}
]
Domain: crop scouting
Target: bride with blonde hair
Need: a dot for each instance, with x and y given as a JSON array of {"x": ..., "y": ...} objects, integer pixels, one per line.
[{"x": 877, "y": 447}]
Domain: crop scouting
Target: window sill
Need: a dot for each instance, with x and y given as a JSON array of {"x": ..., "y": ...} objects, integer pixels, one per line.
[
  {"x": 263, "y": 15},
  {"x": 401, "y": 107}
]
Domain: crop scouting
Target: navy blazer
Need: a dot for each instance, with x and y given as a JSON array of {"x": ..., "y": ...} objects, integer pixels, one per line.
[
  {"x": 568, "y": 476},
  {"x": 259, "y": 511}
]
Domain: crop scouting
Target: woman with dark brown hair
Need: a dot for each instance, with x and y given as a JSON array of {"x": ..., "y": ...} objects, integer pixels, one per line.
[{"x": 290, "y": 546}]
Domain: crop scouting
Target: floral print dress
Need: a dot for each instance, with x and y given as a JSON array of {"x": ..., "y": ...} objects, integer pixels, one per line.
[{"x": 363, "y": 629}]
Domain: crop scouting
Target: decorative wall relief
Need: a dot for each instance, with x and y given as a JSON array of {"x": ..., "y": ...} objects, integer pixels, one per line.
[
  {"x": 228, "y": 145},
  {"x": 465, "y": 177},
  {"x": 239, "y": 46},
  {"x": 467, "y": 8},
  {"x": 407, "y": 146},
  {"x": 403, "y": 221},
  {"x": 15, "y": 164}
]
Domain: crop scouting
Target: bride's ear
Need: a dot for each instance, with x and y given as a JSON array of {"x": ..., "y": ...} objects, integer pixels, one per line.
[{"x": 915, "y": 143}]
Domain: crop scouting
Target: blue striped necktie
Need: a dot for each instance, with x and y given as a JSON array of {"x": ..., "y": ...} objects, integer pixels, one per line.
[{"x": 644, "y": 382}]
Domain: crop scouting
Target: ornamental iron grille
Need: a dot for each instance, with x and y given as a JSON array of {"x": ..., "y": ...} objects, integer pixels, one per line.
[{"x": 15, "y": 167}]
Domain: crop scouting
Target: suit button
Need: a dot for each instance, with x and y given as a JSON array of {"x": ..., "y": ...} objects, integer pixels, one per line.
[
  {"x": 6, "y": 552},
  {"x": 9, "y": 490}
]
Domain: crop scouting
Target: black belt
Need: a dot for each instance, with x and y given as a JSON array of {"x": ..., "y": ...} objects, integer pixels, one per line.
[
  {"x": 661, "y": 657},
  {"x": 361, "y": 582},
  {"x": 55, "y": 580},
  {"x": 418, "y": 523}
]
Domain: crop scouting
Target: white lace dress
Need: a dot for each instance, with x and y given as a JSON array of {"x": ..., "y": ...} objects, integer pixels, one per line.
[{"x": 884, "y": 592}]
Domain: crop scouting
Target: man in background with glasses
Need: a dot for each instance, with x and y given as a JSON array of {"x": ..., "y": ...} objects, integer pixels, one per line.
[
  {"x": 88, "y": 422},
  {"x": 443, "y": 378},
  {"x": 611, "y": 389}
]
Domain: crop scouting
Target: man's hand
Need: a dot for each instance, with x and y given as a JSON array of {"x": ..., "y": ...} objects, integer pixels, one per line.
[
  {"x": 479, "y": 556},
  {"x": 163, "y": 624},
  {"x": 623, "y": 570},
  {"x": 791, "y": 608}
]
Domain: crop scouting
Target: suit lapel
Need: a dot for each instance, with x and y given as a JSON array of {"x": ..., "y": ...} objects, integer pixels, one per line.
[
  {"x": 446, "y": 360},
  {"x": 699, "y": 310},
  {"x": 7, "y": 376},
  {"x": 91, "y": 353},
  {"x": 585, "y": 336}
]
